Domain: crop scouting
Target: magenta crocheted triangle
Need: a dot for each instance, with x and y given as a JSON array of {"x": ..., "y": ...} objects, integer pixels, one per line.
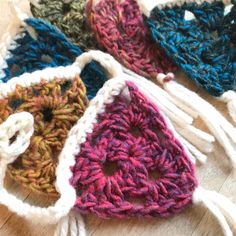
[
  {"x": 133, "y": 135},
  {"x": 119, "y": 27}
]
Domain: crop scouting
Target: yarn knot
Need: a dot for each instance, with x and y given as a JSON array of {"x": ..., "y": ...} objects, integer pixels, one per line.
[{"x": 164, "y": 78}]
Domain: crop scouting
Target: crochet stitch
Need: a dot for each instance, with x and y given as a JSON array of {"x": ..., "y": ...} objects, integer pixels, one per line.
[
  {"x": 203, "y": 46},
  {"x": 133, "y": 135},
  {"x": 132, "y": 97},
  {"x": 33, "y": 51},
  {"x": 119, "y": 27},
  {"x": 56, "y": 106},
  {"x": 69, "y": 17}
]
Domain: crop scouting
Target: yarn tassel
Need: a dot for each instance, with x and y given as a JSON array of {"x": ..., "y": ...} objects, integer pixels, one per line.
[
  {"x": 196, "y": 140},
  {"x": 220, "y": 206},
  {"x": 222, "y": 130},
  {"x": 229, "y": 97},
  {"x": 193, "y": 151},
  {"x": 71, "y": 225}
]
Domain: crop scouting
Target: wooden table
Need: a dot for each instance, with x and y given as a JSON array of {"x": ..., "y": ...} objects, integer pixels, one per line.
[{"x": 195, "y": 220}]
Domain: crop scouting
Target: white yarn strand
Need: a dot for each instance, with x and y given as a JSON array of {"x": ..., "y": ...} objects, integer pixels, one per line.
[
  {"x": 8, "y": 41},
  {"x": 220, "y": 206},
  {"x": 77, "y": 135},
  {"x": 23, "y": 123},
  {"x": 229, "y": 98},
  {"x": 70, "y": 222},
  {"x": 198, "y": 138},
  {"x": 71, "y": 225},
  {"x": 222, "y": 130},
  {"x": 146, "y": 6}
]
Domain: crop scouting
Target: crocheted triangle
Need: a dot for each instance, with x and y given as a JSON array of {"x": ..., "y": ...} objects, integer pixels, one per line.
[
  {"x": 118, "y": 26},
  {"x": 55, "y": 104},
  {"x": 132, "y": 133},
  {"x": 69, "y": 17},
  {"x": 200, "y": 39},
  {"x": 122, "y": 124},
  {"x": 40, "y": 45}
]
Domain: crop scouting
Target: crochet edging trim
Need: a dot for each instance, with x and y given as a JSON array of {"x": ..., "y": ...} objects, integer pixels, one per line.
[
  {"x": 146, "y": 6},
  {"x": 219, "y": 205}
]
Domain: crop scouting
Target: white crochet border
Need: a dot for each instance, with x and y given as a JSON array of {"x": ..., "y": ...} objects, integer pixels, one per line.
[
  {"x": 8, "y": 42},
  {"x": 219, "y": 205},
  {"x": 23, "y": 122},
  {"x": 77, "y": 135},
  {"x": 146, "y": 6}
]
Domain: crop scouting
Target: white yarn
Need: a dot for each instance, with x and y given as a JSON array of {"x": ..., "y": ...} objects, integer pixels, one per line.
[
  {"x": 186, "y": 130},
  {"x": 76, "y": 136},
  {"x": 189, "y": 15},
  {"x": 14, "y": 6},
  {"x": 197, "y": 137},
  {"x": 229, "y": 97},
  {"x": 23, "y": 123},
  {"x": 29, "y": 79},
  {"x": 219, "y": 205},
  {"x": 223, "y": 131},
  {"x": 70, "y": 223},
  {"x": 8, "y": 41},
  {"x": 193, "y": 151},
  {"x": 107, "y": 61},
  {"x": 146, "y": 6}
]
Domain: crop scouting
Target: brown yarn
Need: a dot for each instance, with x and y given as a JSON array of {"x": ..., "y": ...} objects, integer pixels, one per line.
[{"x": 56, "y": 106}]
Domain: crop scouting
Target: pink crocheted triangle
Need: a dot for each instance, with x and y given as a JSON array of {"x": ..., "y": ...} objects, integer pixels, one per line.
[{"x": 133, "y": 135}]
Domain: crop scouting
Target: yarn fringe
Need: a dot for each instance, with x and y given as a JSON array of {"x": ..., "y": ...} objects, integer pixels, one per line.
[
  {"x": 229, "y": 98},
  {"x": 219, "y": 205},
  {"x": 223, "y": 130},
  {"x": 71, "y": 225}
]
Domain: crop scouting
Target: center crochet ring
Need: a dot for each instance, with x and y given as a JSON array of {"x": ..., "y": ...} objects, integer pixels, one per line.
[
  {"x": 199, "y": 36},
  {"x": 130, "y": 133},
  {"x": 122, "y": 125},
  {"x": 56, "y": 103}
]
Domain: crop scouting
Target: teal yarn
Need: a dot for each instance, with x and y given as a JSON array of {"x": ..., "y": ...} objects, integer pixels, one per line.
[
  {"x": 50, "y": 48},
  {"x": 204, "y": 47}
]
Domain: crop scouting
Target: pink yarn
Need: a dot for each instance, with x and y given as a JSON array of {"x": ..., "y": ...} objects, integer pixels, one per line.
[
  {"x": 133, "y": 135},
  {"x": 118, "y": 26}
]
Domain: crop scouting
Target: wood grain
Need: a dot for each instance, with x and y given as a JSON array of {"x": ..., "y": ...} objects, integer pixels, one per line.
[{"x": 195, "y": 220}]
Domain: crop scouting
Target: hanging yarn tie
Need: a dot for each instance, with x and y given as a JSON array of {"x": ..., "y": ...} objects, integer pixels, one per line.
[
  {"x": 122, "y": 125},
  {"x": 69, "y": 17},
  {"x": 199, "y": 37},
  {"x": 30, "y": 50}
]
